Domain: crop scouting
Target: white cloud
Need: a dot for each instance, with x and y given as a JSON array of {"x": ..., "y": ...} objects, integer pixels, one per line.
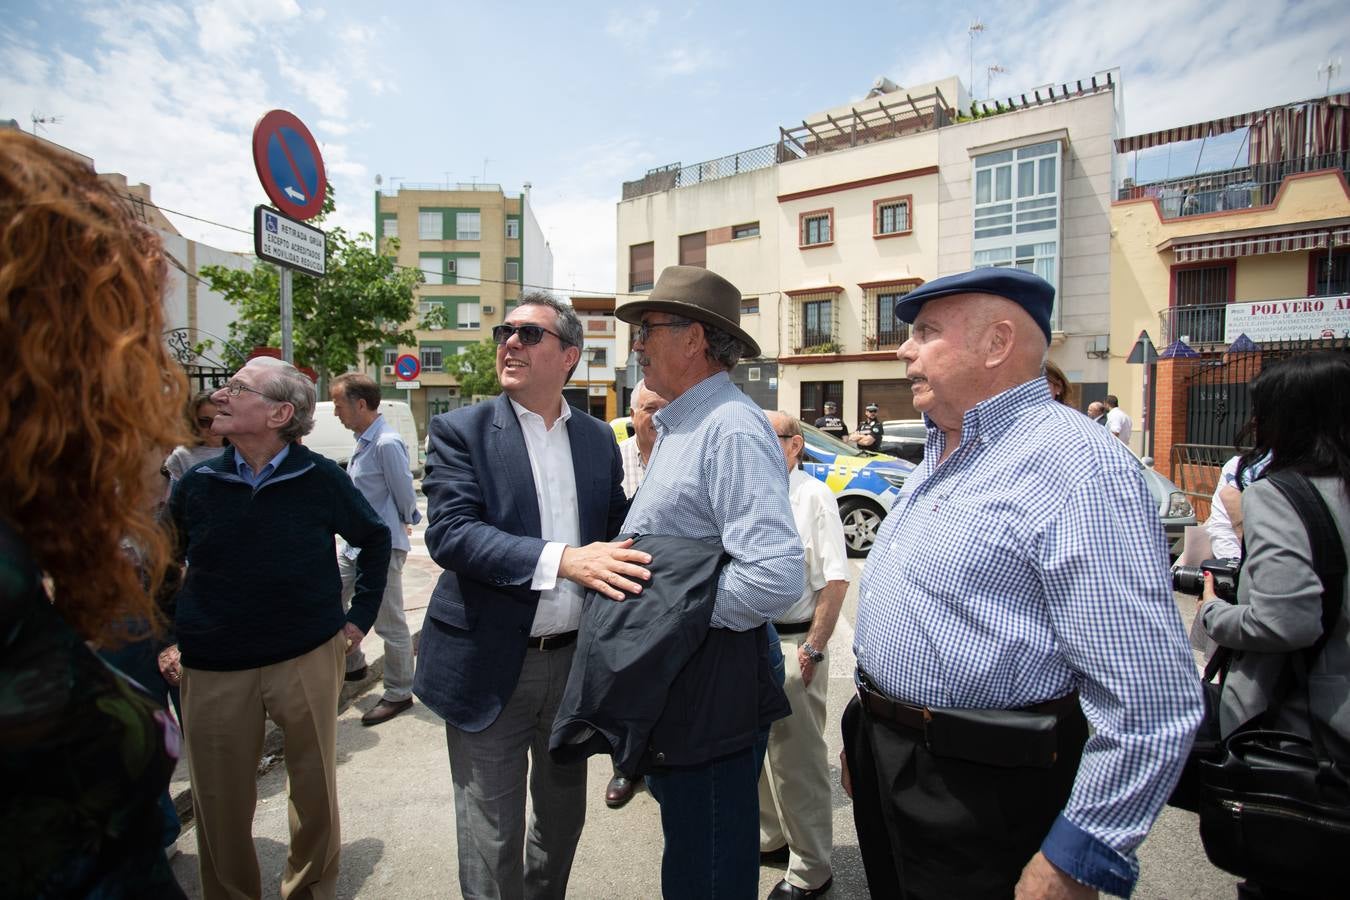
[
  {"x": 1181, "y": 62},
  {"x": 686, "y": 61},
  {"x": 227, "y": 26},
  {"x": 577, "y": 215},
  {"x": 632, "y": 26}
]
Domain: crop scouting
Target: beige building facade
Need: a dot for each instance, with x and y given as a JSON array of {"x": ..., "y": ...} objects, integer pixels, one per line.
[
  {"x": 826, "y": 228},
  {"x": 1259, "y": 250},
  {"x": 477, "y": 248}
]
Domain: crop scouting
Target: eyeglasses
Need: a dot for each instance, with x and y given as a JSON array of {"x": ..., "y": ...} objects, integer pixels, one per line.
[
  {"x": 234, "y": 388},
  {"x": 644, "y": 329},
  {"x": 204, "y": 421},
  {"x": 528, "y": 334},
  {"x": 786, "y": 437}
]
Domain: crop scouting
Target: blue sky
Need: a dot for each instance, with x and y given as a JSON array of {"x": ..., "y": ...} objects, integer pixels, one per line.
[{"x": 579, "y": 97}]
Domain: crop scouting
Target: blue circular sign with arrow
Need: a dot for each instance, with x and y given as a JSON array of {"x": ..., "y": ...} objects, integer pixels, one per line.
[{"x": 289, "y": 164}]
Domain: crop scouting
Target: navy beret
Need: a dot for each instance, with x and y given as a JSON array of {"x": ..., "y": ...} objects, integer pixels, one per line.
[{"x": 1031, "y": 292}]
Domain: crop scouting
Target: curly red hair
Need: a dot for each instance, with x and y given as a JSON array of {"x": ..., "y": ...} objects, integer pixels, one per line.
[{"x": 89, "y": 395}]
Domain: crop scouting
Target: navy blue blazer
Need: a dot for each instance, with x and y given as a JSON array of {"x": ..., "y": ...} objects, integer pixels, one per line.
[{"x": 483, "y": 530}]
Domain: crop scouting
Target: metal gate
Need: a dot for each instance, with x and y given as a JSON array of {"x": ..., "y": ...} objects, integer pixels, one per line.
[{"x": 1219, "y": 390}]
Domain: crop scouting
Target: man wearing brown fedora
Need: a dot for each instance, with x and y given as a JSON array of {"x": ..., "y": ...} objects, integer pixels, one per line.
[{"x": 716, "y": 474}]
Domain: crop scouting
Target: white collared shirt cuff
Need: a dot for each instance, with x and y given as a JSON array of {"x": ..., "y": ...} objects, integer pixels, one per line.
[{"x": 546, "y": 570}]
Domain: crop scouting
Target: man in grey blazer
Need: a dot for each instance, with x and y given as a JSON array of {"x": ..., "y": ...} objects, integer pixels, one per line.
[{"x": 523, "y": 497}]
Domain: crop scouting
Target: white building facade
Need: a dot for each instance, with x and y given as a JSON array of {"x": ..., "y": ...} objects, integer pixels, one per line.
[{"x": 865, "y": 202}]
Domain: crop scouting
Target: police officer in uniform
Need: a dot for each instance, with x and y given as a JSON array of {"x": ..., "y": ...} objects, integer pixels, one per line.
[
  {"x": 830, "y": 423},
  {"x": 868, "y": 435}
]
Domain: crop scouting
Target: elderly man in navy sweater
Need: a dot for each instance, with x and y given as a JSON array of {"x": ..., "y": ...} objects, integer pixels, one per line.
[{"x": 260, "y": 626}]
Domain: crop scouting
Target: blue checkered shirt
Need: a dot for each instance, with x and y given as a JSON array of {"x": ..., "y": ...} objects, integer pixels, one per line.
[
  {"x": 1028, "y": 564},
  {"x": 718, "y": 474}
]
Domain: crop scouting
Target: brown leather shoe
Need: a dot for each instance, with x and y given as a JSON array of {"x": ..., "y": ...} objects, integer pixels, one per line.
[
  {"x": 384, "y": 711},
  {"x": 619, "y": 791}
]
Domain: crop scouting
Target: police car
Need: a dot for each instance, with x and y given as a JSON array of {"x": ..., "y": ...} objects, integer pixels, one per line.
[{"x": 864, "y": 483}]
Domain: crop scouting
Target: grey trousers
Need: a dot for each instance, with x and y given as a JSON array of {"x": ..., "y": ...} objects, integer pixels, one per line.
[
  {"x": 499, "y": 857},
  {"x": 391, "y": 625}
]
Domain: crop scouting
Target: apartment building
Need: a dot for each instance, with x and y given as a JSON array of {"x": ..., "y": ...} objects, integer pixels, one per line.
[
  {"x": 476, "y": 246},
  {"x": 825, "y": 228},
  {"x": 591, "y": 387},
  {"x": 1225, "y": 268}
]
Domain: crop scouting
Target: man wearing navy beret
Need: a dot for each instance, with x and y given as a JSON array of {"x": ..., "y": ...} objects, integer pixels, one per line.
[{"x": 1017, "y": 592}]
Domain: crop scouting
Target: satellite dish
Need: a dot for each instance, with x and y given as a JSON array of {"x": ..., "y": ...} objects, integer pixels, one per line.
[{"x": 378, "y": 180}]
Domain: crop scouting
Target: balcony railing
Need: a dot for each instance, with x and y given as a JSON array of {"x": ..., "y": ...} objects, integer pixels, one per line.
[
  {"x": 1197, "y": 324},
  {"x": 1229, "y": 189},
  {"x": 888, "y": 338}
]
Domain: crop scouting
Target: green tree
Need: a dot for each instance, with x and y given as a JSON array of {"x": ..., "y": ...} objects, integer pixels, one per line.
[
  {"x": 476, "y": 370},
  {"x": 360, "y": 307}
]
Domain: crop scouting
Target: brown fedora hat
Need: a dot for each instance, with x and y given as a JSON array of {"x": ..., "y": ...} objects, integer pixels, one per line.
[{"x": 692, "y": 292}]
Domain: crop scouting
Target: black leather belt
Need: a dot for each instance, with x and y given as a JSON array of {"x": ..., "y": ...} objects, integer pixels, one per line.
[
  {"x": 553, "y": 641},
  {"x": 1026, "y": 736},
  {"x": 792, "y": 627},
  {"x": 917, "y": 717}
]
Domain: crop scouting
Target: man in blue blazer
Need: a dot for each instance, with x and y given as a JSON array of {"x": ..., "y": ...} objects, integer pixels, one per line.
[{"x": 524, "y": 494}]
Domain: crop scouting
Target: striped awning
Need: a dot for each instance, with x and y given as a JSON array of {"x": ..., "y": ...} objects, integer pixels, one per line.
[
  {"x": 1184, "y": 133},
  {"x": 1210, "y": 246}
]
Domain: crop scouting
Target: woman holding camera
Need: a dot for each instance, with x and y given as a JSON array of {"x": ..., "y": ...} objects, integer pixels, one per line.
[{"x": 1301, "y": 418}]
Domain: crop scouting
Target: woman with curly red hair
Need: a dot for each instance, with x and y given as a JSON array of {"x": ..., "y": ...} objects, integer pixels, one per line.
[{"x": 90, "y": 402}]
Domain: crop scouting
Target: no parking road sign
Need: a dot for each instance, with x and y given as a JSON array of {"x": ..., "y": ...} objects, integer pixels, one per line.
[
  {"x": 407, "y": 367},
  {"x": 289, "y": 164}
]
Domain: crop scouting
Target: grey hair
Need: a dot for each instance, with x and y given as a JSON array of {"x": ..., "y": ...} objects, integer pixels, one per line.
[
  {"x": 287, "y": 384},
  {"x": 723, "y": 349},
  {"x": 569, "y": 325}
]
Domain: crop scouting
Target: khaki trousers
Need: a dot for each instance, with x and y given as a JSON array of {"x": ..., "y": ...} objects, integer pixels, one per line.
[
  {"x": 224, "y": 714},
  {"x": 794, "y": 787}
]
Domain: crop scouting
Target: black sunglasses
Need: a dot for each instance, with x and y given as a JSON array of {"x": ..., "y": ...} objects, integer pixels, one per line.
[{"x": 529, "y": 334}]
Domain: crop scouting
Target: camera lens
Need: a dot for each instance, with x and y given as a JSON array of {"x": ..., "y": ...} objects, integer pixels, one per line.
[{"x": 1188, "y": 580}]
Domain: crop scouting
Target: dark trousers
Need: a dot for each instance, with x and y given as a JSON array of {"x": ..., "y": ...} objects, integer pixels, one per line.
[
  {"x": 936, "y": 827},
  {"x": 710, "y": 820}
]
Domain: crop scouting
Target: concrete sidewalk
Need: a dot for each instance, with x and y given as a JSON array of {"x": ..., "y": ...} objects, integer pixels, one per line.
[{"x": 398, "y": 814}]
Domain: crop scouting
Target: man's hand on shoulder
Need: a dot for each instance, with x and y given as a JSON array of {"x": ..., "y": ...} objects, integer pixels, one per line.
[
  {"x": 612, "y": 568},
  {"x": 1043, "y": 880}
]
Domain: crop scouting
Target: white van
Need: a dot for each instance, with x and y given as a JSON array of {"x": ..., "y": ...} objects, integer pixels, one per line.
[{"x": 331, "y": 439}]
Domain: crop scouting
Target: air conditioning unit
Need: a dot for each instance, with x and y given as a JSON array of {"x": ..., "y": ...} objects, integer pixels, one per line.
[
  {"x": 388, "y": 370},
  {"x": 489, "y": 310},
  {"x": 450, "y": 265}
]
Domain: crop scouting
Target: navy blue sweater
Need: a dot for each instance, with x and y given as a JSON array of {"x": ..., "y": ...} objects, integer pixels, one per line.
[{"x": 262, "y": 583}]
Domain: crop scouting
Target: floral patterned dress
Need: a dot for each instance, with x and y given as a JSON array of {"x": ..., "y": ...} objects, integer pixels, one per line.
[{"x": 84, "y": 755}]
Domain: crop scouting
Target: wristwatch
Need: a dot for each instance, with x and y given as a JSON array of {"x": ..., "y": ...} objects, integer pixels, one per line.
[{"x": 811, "y": 652}]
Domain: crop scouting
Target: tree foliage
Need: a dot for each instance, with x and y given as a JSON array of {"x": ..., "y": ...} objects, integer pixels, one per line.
[
  {"x": 360, "y": 307},
  {"x": 476, "y": 370}
]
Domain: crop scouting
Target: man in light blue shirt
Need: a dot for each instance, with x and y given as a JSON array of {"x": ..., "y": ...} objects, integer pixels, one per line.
[
  {"x": 716, "y": 474},
  {"x": 379, "y": 468},
  {"x": 1017, "y": 592}
]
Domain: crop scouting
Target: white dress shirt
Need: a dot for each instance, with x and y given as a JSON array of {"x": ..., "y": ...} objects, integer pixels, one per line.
[
  {"x": 555, "y": 487},
  {"x": 816, "y": 513}
]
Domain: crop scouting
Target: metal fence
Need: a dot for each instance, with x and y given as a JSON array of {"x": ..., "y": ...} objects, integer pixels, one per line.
[{"x": 1228, "y": 189}]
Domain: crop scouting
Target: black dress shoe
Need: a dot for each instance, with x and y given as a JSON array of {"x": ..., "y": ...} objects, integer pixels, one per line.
[
  {"x": 777, "y": 857},
  {"x": 619, "y": 791},
  {"x": 384, "y": 711},
  {"x": 356, "y": 674},
  {"x": 785, "y": 891}
]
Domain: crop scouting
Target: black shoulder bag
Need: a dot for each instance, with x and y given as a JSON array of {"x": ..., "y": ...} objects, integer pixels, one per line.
[{"x": 1274, "y": 806}]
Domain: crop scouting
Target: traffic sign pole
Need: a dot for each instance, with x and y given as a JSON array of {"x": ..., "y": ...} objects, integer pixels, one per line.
[{"x": 287, "y": 343}]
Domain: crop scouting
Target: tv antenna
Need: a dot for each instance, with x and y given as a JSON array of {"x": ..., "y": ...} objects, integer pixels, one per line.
[{"x": 43, "y": 120}]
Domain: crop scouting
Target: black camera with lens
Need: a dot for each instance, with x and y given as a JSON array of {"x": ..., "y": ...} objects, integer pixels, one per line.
[{"x": 1191, "y": 579}]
